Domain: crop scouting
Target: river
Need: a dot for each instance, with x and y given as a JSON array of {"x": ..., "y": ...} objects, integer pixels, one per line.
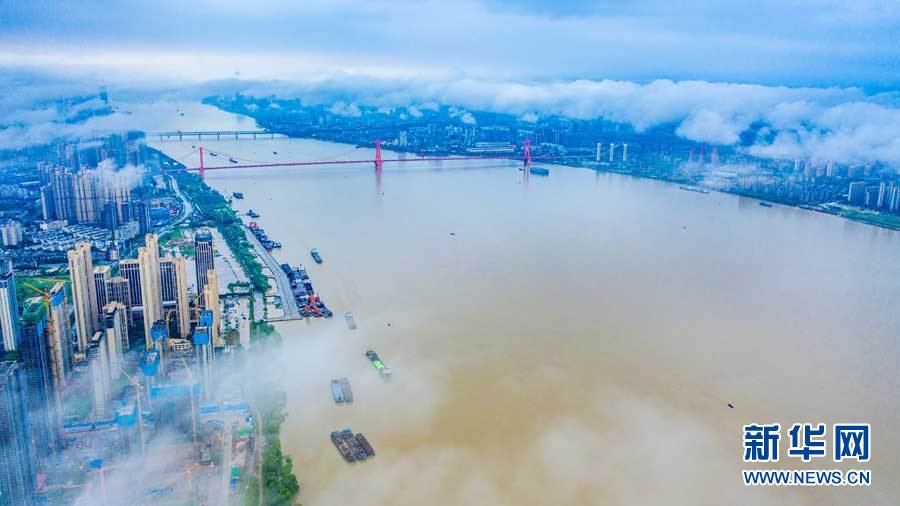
[{"x": 571, "y": 339}]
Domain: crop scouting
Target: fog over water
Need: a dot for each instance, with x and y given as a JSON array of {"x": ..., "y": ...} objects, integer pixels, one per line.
[{"x": 571, "y": 339}]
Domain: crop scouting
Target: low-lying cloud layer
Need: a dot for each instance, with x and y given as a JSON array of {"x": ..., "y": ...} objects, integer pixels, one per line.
[{"x": 841, "y": 124}]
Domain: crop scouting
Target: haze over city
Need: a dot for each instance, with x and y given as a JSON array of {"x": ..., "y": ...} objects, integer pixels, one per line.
[{"x": 477, "y": 252}]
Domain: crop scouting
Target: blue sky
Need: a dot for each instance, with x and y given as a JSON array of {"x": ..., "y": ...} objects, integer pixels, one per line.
[{"x": 787, "y": 42}]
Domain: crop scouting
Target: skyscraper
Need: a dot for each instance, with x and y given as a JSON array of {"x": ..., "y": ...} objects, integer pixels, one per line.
[
  {"x": 204, "y": 353},
  {"x": 101, "y": 279},
  {"x": 9, "y": 309},
  {"x": 203, "y": 256},
  {"x": 16, "y": 465},
  {"x": 173, "y": 276},
  {"x": 117, "y": 290},
  {"x": 148, "y": 260},
  {"x": 116, "y": 336},
  {"x": 140, "y": 212},
  {"x": 84, "y": 295},
  {"x": 211, "y": 303},
  {"x": 41, "y": 397},
  {"x": 130, "y": 269},
  {"x": 60, "y": 345},
  {"x": 98, "y": 357}
]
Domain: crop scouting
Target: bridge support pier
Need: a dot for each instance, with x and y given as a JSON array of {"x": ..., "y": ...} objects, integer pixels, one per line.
[
  {"x": 201, "y": 163},
  {"x": 379, "y": 162},
  {"x": 526, "y": 156}
]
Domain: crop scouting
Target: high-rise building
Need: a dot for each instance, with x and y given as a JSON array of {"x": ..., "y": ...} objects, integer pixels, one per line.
[
  {"x": 88, "y": 207},
  {"x": 173, "y": 275},
  {"x": 41, "y": 396},
  {"x": 117, "y": 290},
  {"x": 148, "y": 260},
  {"x": 110, "y": 215},
  {"x": 11, "y": 233},
  {"x": 203, "y": 256},
  {"x": 64, "y": 196},
  {"x": 48, "y": 204},
  {"x": 60, "y": 344},
  {"x": 130, "y": 269},
  {"x": 101, "y": 280},
  {"x": 9, "y": 309},
  {"x": 856, "y": 194},
  {"x": 140, "y": 212},
  {"x": 17, "y": 474},
  {"x": 98, "y": 357},
  {"x": 205, "y": 356},
  {"x": 211, "y": 303},
  {"x": 84, "y": 294},
  {"x": 116, "y": 336}
]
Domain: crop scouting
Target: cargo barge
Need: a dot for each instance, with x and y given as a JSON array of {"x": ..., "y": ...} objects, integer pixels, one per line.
[
  {"x": 378, "y": 364},
  {"x": 351, "y": 446},
  {"x": 336, "y": 391},
  {"x": 345, "y": 390},
  {"x": 315, "y": 255},
  {"x": 238, "y": 195},
  {"x": 307, "y": 300},
  {"x": 350, "y": 321},
  {"x": 365, "y": 445}
]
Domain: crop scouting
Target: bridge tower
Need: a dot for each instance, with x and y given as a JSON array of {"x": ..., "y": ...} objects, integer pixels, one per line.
[
  {"x": 526, "y": 155},
  {"x": 201, "y": 163},
  {"x": 379, "y": 162}
]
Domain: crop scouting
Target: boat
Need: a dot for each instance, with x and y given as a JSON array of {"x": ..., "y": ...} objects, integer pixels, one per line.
[
  {"x": 356, "y": 448},
  {"x": 253, "y": 214},
  {"x": 337, "y": 437},
  {"x": 378, "y": 364},
  {"x": 693, "y": 189},
  {"x": 336, "y": 391},
  {"x": 539, "y": 171},
  {"x": 765, "y": 204},
  {"x": 253, "y": 225},
  {"x": 213, "y": 153},
  {"x": 232, "y": 160},
  {"x": 345, "y": 389},
  {"x": 350, "y": 321},
  {"x": 315, "y": 255},
  {"x": 237, "y": 195},
  {"x": 365, "y": 444},
  {"x": 274, "y": 152}
]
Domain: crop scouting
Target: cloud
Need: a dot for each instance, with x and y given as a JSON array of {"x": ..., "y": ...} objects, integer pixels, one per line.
[
  {"x": 840, "y": 124},
  {"x": 796, "y": 42},
  {"x": 846, "y": 125}
]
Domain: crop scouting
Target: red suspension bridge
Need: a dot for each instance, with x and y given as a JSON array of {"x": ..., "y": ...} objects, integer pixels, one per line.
[{"x": 378, "y": 162}]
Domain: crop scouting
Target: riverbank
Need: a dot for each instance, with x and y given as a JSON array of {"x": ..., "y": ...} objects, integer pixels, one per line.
[{"x": 275, "y": 482}]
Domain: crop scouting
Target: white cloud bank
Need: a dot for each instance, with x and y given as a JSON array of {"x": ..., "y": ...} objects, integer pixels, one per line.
[{"x": 841, "y": 124}]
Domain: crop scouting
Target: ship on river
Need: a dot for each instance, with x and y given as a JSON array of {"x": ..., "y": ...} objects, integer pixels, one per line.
[
  {"x": 336, "y": 391},
  {"x": 350, "y": 446},
  {"x": 378, "y": 364}
]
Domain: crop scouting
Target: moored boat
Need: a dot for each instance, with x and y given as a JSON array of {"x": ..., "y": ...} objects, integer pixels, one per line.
[
  {"x": 345, "y": 390},
  {"x": 336, "y": 391}
]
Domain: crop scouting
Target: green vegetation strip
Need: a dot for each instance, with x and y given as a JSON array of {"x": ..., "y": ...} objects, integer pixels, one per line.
[
  {"x": 214, "y": 207},
  {"x": 279, "y": 483}
]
